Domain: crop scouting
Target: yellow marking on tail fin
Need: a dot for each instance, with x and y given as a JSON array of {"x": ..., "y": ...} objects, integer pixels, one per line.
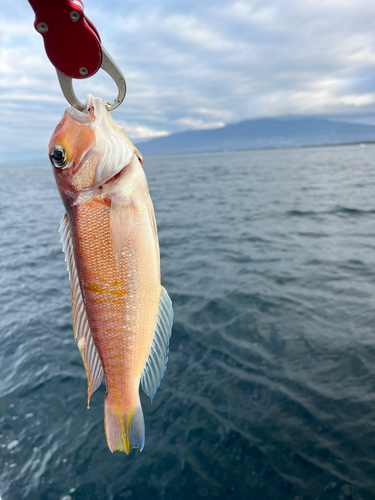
[{"x": 123, "y": 443}]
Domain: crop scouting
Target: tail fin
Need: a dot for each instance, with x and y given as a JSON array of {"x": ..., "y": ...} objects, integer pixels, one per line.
[{"x": 124, "y": 427}]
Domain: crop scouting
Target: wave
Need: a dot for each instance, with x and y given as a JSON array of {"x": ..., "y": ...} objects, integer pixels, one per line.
[{"x": 337, "y": 210}]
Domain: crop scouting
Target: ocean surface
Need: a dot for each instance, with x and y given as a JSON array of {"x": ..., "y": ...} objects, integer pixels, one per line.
[{"x": 269, "y": 393}]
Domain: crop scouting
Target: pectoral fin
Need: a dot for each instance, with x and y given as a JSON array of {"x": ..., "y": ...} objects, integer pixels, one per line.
[
  {"x": 151, "y": 213},
  {"x": 121, "y": 223},
  {"x": 82, "y": 332},
  {"x": 157, "y": 361}
]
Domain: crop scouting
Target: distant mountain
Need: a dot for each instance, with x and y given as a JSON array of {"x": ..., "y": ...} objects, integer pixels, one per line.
[{"x": 261, "y": 133}]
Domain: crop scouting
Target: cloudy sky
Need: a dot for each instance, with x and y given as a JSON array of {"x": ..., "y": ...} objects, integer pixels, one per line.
[{"x": 196, "y": 64}]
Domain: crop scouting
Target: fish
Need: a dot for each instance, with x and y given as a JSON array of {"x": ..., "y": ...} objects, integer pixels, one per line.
[{"x": 122, "y": 315}]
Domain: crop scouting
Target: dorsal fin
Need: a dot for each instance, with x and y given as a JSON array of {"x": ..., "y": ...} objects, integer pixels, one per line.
[
  {"x": 121, "y": 220},
  {"x": 82, "y": 332},
  {"x": 157, "y": 360}
]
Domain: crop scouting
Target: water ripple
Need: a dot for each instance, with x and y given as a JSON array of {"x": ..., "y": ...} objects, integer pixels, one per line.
[{"x": 270, "y": 387}]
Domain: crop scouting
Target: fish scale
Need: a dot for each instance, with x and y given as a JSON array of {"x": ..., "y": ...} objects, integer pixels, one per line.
[{"x": 114, "y": 310}]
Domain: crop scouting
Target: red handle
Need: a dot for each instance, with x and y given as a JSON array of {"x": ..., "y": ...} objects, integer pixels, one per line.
[{"x": 71, "y": 41}]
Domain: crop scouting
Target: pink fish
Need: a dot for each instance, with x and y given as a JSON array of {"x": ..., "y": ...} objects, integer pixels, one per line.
[{"x": 122, "y": 316}]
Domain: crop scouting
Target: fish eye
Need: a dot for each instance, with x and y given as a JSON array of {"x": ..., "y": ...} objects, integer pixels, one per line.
[{"x": 58, "y": 156}]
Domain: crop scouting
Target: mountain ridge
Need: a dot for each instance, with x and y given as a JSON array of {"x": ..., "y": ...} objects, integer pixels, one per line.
[{"x": 261, "y": 133}]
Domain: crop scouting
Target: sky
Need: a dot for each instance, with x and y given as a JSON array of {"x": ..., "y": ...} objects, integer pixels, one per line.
[{"x": 195, "y": 64}]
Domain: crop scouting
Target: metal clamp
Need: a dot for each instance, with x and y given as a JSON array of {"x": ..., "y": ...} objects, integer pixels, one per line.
[
  {"x": 110, "y": 67},
  {"x": 74, "y": 47}
]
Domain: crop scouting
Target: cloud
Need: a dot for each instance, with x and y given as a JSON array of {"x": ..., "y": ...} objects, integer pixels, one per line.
[
  {"x": 245, "y": 12},
  {"x": 139, "y": 132},
  {"x": 12, "y": 29},
  {"x": 193, "y": 123},
  {"x": 197, "y": 65}
]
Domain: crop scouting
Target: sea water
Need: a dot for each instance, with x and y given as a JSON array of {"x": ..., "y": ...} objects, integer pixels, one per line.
[{"x": 269, "y": 393}]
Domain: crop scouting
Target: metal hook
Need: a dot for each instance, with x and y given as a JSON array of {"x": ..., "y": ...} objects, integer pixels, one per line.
[{"x": 110, "y": 67}]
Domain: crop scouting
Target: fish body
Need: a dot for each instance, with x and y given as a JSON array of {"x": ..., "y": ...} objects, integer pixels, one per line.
[{"x": 122, "y": 316}]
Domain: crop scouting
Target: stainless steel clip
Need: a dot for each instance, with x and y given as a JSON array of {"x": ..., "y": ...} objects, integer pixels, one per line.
[{"x": 110, "y": 67}]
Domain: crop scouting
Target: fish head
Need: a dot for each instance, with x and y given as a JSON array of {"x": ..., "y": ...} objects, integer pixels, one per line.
[{"x": 87, "y": 149}]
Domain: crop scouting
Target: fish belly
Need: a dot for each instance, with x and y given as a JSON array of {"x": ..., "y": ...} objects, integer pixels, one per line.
[{"x": 121, "y": 307}]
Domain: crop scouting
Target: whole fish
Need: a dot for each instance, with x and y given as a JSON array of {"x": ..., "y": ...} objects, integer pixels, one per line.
[{"x": 122, "y": 316}]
